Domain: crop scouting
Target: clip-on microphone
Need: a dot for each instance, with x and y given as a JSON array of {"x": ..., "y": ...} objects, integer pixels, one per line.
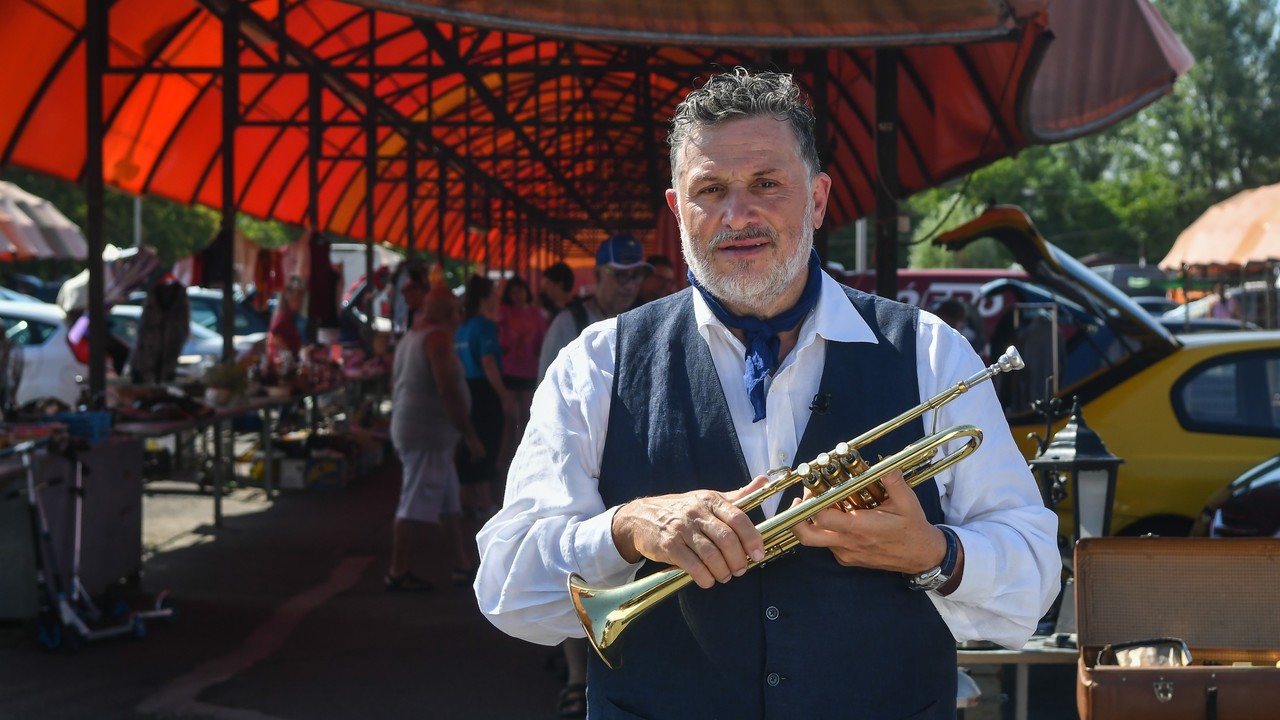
[{"x": 821, "y": 403}]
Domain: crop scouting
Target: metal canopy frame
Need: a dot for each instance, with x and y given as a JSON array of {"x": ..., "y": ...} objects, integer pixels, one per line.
[{"x": 495, "y": 145}]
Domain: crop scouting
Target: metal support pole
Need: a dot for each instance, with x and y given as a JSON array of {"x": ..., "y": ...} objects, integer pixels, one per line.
[
  {"x": 887, "y": 172},
  {"x": 96, "y": 33},
  {"x": 371, "y": 182},
  {"x": 230, "y": 116},
  {"x": 817, "y": 61}
]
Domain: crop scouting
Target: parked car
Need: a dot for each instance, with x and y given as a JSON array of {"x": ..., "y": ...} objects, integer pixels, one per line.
[
  {"x": 1186, "y": 326},
  {"x": 206, "y": 310},
  {"x": 50, "y": 369},
  {"x": 1185, "y": 412},
  {"x": 1248, "y": 506},
  {"x": 1135, "y": 280},
  {"x": 32, "y": 286},
  {"x": 15, "y": 296},
  {"x": 1257, "y": 300},
  {"x": 1156, "y": 304}
]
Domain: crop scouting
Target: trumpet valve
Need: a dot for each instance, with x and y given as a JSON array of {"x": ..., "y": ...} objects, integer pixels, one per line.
[
  {"x": 868, "y": 500},
  {"x": 850, "y": 460},
  {"x": 812, "y": 478}
]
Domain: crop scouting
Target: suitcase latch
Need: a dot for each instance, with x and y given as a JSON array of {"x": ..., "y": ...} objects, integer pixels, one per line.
[{"x": 1163, "y": 690}]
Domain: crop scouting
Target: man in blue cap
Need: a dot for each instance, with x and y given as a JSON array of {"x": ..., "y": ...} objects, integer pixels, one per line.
[{"x": 620, "y": 267}]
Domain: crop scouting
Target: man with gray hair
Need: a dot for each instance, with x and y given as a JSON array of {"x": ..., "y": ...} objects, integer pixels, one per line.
[{"x": 650, "y": 427}]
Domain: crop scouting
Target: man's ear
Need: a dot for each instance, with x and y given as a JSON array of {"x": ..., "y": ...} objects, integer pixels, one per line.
[
  {"x": 821, "y": 192},
  {"x": 672, "y": 202}
]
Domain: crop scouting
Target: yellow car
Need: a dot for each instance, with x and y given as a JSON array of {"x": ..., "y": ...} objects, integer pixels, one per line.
[{"x": 1186, "y": 413}]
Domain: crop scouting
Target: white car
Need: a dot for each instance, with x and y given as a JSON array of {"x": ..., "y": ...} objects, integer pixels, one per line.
[{"x": 50, "y": 368}]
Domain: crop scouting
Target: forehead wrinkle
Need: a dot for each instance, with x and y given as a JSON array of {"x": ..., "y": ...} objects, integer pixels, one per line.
[{"x": 703, "y": 176}]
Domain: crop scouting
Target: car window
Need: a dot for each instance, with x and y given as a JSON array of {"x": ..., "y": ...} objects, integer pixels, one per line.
[
  {"x": 244, "y": 322},
  {"x": 203, "y": 314},
  {"x": 27, "y": 333},
  {"x": 123, "y": 327},
  {"x": 1235, "y": 395}
]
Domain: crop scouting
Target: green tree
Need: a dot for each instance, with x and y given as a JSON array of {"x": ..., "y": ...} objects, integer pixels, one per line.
[{"x": 1130, "y": 191}]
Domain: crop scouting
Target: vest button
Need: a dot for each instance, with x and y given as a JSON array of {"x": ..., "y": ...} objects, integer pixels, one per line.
[
  {"x": 773, "y": 679},
  {"x": 771, "y": 612}
]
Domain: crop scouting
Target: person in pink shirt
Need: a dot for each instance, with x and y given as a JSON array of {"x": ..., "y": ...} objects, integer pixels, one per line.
[{"x": 521, "y": 328}]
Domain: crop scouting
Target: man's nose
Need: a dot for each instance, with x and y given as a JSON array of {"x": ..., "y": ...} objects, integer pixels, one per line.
[{"x": 739, "y": 209}]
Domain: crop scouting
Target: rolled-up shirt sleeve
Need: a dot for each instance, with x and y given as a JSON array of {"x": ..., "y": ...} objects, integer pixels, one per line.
[
  {"x": 1012, "y": 567},
  {"x": 553, "y": 521}
]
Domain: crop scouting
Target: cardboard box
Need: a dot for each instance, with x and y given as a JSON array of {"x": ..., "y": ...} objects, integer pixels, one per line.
[
  {"x": 328, "y": 469},
  {"x": 293, "y": 474}
]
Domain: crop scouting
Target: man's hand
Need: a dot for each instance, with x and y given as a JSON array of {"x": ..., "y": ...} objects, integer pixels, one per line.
[
  {"x": 893, "y": 536},
  {"x": 701, "y": 532}
]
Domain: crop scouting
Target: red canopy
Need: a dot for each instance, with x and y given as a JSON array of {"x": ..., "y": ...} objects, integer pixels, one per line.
[{"x": 495, "y": 143}]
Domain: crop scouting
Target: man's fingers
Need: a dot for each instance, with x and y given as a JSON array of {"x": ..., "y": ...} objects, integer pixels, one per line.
[
  {"x": 686, "y": 559},
  {"x": 756, "y": 483},
  {"x": 715, "y": 552},
  {"x": 740, "y": 539}
]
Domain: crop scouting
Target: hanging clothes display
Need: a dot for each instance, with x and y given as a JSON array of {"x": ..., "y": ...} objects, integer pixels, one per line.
[
  {"x": 162, "y": 331},
  {"x": 322, "y": 309}
]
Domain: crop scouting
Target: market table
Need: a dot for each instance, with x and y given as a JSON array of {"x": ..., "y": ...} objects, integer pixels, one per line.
[
  {"x": 355, "y": 387},
  {"x": 220, "y": 416},
  {"x": 1038, "y": 651}
]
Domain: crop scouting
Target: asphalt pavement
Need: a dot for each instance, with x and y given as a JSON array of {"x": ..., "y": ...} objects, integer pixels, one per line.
[{"x": 282, "y": 614}]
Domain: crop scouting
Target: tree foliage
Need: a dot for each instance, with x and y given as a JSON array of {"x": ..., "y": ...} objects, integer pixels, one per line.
[{"x": 1129, "y": 191}]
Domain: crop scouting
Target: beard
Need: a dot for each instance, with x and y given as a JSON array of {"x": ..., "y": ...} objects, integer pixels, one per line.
[{"x": 738, "y": 287}]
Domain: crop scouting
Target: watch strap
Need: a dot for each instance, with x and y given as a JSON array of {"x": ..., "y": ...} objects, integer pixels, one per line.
[{"x": 937, "y": 576}]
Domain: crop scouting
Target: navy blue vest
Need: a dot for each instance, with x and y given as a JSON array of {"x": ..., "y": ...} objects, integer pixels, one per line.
[{"x": 803, "y": 636}]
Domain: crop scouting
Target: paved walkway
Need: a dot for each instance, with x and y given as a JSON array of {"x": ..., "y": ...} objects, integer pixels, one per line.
[{"x": 282, "y": 615}]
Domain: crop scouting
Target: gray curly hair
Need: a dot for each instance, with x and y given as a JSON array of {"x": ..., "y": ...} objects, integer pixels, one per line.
[{"x": 742, "y": 94}]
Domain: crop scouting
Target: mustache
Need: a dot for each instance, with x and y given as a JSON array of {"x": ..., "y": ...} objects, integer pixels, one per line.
[{"x": 751, "y": 232}]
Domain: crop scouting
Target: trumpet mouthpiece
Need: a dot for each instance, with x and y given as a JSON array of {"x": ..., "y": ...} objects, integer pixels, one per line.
[{"x": 1010, "y": 360}]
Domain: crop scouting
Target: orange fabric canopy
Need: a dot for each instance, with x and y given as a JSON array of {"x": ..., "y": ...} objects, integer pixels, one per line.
[
  {"x": 1240, "y": 231},
  {"x": 739, "y": 23},
  {"x": 516, "y": 143}
]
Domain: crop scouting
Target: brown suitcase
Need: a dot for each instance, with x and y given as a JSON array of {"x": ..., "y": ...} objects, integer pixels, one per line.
[{"x": 1219, "y": 596}]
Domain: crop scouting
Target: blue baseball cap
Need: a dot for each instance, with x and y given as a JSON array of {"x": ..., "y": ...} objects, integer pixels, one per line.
[{"x": 622, "y": 252}]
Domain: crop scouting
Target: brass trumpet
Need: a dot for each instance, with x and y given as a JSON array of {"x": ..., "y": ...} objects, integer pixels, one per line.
[{"x": 840, "y": 478}]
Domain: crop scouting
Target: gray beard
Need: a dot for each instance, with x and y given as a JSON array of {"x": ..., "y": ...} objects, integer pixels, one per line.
[{"x": 742, "y": 291}]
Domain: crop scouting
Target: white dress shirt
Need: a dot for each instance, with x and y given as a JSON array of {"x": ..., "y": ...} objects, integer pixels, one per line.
[{"x": 553, "y": 521}]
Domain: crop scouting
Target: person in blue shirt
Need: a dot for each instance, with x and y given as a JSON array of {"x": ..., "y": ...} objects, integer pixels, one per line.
[{"x": 491, "y": 403}]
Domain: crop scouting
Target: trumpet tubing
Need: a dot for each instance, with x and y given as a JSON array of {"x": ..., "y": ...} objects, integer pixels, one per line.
[{"x": 840, "y": 478}]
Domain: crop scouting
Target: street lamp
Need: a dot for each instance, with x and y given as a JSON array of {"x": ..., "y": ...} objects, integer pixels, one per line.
[{"x": 1077, "y": 461}]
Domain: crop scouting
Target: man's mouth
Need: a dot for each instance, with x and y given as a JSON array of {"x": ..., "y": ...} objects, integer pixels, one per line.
[{"x": 742, "y": 247}]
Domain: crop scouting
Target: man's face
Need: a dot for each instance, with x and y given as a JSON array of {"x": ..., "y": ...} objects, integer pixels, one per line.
[
  {"x": 413, "y": 294},
  {"x": 616, "y": 289},
  {"x": 556, "y": 293},
  {"x": 747, "y": 208},
  {"x": 660, "y": 284}
]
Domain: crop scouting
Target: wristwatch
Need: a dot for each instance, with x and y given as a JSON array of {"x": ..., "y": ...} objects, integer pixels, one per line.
[{"x": 936, "y": 577}]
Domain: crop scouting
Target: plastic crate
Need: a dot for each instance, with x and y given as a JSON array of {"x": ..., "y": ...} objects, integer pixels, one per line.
[{"x": 94, "y": 425}]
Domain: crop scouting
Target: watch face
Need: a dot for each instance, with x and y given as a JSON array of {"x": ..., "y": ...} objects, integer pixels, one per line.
[{"x": 928, "y": 580}]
